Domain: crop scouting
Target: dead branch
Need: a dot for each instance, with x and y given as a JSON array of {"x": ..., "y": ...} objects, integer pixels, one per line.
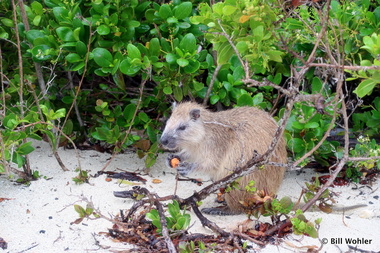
[
  {"x": 254, "y": 83},
  {"x": 164, "y": 228},
  {"x": 206, "y": 222}
]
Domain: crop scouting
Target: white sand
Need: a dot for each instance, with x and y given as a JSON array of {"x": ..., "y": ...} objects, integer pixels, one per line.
[{"x": 37, "y": 218}]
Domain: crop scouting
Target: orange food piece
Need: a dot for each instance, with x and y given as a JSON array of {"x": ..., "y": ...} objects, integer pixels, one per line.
[
  {"x": 174, "y": 162},
  {"x": 156, "y": 181}
]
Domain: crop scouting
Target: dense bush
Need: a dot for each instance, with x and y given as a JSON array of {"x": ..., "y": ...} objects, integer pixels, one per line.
[{"x": 98, "y": 69}]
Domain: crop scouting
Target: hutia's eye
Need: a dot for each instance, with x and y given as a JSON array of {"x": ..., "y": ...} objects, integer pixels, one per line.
[{"x": 181, "y": 128}]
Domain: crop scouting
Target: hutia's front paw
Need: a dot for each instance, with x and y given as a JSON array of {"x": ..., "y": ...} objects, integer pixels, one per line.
[{"x": 184, "y": 169}]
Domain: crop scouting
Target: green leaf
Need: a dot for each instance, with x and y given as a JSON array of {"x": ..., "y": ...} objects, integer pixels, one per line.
[
  {"x": 183, "y": 10},
  {"x": 245, "y": 100},
  {"x": 60, "y": 13},
  {"x": 258, "y": 33},
  {"x": 182, "y": 62},
  {"x": 214, "y": 99},
  {"x": 229, "y": 10},
  {"x": 184, "y": 25},
  {"x": 365, "y": 87},
  {"x": 119, "y": 80},
  {"x": 102, "y": 57},
  {"x": 81, "y": 48},
  {"x": 37, "y": 8},
  {"x": 127, "y": 68},
  {"x": 154, "y": 47},
  {"x": 188, "y": 43},
  {"x": 177, "y": 92},
  {"x": 316, "y": 85},
  {"x": 311, "y": 231},
  {"x": 167, "y": 90},
  {"x": 171, "y": 58},
  {"x": 25, "y": 148},
  {"x": 296, "y": 145},
  {"x": 151, "y": 134},
  {"x": 60, "y": 113},
  {"x": 242, "y": 47},
  {"x": 40, "y": 53},
  {"x": 172, "y": 20},
  {"x": 129, "y": 112},
  {"x": 133, "y": 52},
  {"x": 312, "y": 125},
  {"x": 67, "y": 100},
  {"x": 7, "y": 22},
  {"x": 225, "y": 51},
  {"x": 165, "y": 11},
  {"x": 18, "y": 159},
  {"x": 198, "y": 85},
  {"x": 275, "y": 55},
  {"x": 143, "y": 117},
  {"x": 103, "y": 30},
  {"x": 65, "y": 34},
  {"x": 192, "y": 67},
  {"x": 78, "y": 66},
  {"x": 298, "y": 125},
  {"x": 277, "y": 78},
  {"x": 31, "y": 35},
  {"x": 257, "y": 99},
  {"x": 73, "y": 57},
  {"x": 80, "y": 210}
]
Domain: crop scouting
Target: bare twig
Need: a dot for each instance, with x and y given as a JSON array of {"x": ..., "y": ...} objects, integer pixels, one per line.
[
  {"x": 345, "y": 67},
  {"x": 71, "y": 83},
  {"x": 251, "y": 82},
  {"x": 213, "y": 79},
  {"x": 37, "y": 66},
  {"x": 3, "y": 160},
  {"x": 164, "y": 228},
  {"x": 26, "y": 166},
  {"x": 206, "y": 222}
]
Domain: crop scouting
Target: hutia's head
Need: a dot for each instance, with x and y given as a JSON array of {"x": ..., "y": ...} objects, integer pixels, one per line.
[{"x": 184, "y": 127}]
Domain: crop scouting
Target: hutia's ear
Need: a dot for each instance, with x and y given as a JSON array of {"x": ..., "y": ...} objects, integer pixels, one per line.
[{"x": 195, "y": 114}]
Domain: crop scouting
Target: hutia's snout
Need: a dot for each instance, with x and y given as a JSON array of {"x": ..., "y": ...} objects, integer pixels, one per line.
[{"x": 168, "y": 141}]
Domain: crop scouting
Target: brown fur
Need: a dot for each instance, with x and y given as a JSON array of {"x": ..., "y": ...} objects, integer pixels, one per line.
[{"x": 219, "y": 142}]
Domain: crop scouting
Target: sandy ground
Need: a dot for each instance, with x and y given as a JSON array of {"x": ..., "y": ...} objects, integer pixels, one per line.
[{"x": 37, "y": 218}]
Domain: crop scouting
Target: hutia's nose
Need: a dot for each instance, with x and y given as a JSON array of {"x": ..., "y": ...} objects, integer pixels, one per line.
[{"x": 164, "y": 140}]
